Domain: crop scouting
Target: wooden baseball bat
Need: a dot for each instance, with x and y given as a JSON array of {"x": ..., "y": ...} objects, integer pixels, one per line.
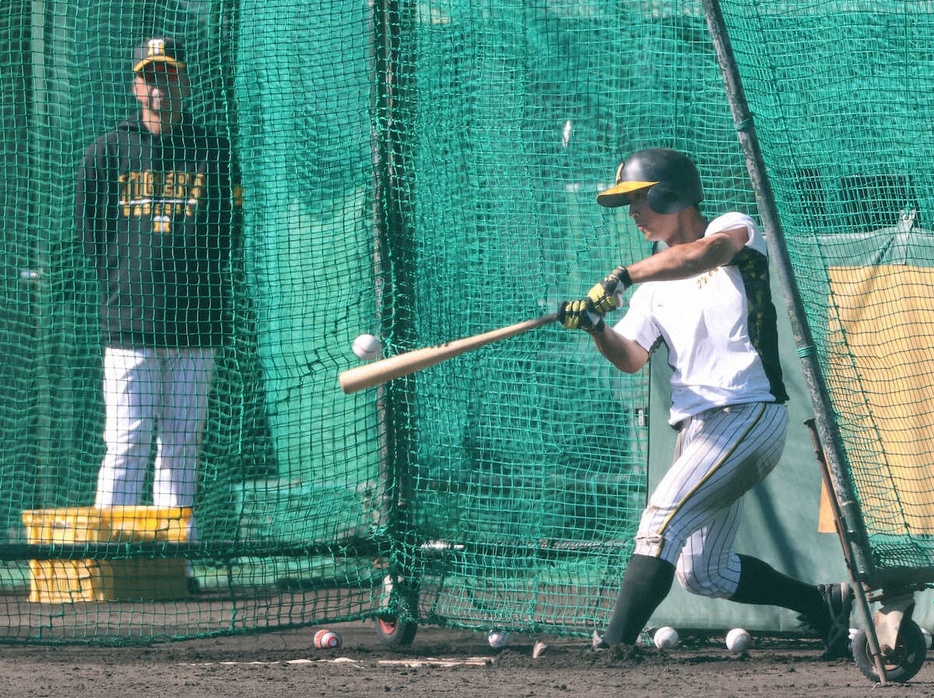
[{"x": 384, "y": 370}]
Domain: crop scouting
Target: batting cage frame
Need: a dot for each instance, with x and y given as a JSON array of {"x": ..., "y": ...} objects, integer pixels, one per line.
[
  {"x": 423, "y": 172},
  {"x": 890, "y": 645}
]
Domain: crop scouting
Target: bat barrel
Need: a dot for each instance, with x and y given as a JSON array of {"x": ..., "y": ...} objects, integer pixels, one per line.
[{"x": 378, "y": 372}]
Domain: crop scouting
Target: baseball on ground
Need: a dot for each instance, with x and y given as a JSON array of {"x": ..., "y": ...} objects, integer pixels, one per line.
[
  {"x": 498, "y": 639},
  {"x": 367, "y": 346},
  {"x": 738, "y": 640},
  {"x": 327, "y": 639},
  {"x": 666, "y": 638}
]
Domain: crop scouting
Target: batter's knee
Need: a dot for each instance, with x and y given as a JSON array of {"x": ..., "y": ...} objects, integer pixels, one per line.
[{"x": 710, "y": 583}]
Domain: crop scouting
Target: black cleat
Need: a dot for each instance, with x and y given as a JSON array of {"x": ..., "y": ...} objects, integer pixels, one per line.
[{"x": 834, "y": 624}]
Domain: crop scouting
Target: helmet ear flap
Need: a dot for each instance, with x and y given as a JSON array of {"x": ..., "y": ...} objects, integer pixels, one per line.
[{"x": 663, "y": 199}]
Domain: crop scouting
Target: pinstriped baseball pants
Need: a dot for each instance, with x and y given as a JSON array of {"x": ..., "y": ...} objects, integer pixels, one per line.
[{"x": 694, "y": 513}]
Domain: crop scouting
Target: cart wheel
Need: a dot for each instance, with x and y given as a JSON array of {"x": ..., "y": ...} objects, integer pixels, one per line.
[
  {"x": 901, "y": 663},
  {"x": 399, "y": 633}
]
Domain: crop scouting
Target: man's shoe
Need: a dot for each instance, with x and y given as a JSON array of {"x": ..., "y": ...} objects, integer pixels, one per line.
[
  {"x": 598, "y": 650},
  {"x": 596, "y": 647},
  {"x": 835, "y": 630}
]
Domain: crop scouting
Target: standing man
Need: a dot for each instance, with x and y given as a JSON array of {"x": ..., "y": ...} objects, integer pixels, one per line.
[
  {"x": 707, "y": 297},
  {"x": 156, "y": 208}
]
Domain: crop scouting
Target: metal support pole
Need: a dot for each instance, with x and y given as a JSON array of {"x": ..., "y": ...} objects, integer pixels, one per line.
[{"x": 854, "y": 532}]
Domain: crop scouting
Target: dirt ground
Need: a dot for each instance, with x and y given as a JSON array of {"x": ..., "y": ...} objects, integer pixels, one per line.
[{"x": 440, "y": 662}]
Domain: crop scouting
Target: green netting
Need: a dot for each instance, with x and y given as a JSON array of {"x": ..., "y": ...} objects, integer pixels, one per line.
[
  {"x": 419, "y": 171},
  {"x": 839, "y": 91}
]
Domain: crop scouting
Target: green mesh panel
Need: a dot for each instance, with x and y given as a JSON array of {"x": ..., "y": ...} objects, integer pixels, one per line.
[
  {"x": 422, "y": 172},
  {"x": 839, "y": 90}
]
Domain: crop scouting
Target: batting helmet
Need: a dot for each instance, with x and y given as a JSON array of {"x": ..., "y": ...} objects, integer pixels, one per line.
[{"x": 671, "y": 179}]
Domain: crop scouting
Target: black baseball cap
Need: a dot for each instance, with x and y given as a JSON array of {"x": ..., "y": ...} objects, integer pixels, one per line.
[{"x": 158, "y": 50}]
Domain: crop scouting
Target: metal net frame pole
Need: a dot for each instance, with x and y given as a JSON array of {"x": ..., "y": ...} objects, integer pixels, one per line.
[
  {"x": 856, "y": 538},
  {"x": 849, "y": 521}
]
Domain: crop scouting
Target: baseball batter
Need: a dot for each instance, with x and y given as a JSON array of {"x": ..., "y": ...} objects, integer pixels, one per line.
[{"x": 707, "y": 297}]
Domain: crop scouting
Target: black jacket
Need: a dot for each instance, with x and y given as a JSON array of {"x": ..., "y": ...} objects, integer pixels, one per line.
[{"x": 157, "y": 215}]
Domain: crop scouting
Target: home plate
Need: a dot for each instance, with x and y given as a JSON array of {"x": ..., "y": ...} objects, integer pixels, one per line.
[{"x": 431, "y": 661}]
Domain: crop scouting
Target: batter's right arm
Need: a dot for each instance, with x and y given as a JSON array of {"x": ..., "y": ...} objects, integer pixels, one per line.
[{"x": 628, "y": 356}]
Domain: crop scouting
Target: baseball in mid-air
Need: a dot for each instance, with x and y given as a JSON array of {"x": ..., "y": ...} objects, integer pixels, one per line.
[
  {"x": 666, "y": 638},
  {"x": 738, "y": 640},
  {"x": 498, "y": 639},
  {"x": 367, "y": 346}
]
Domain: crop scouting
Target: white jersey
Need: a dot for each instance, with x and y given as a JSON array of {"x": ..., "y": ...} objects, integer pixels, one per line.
[{"x": 719, "y": 326}]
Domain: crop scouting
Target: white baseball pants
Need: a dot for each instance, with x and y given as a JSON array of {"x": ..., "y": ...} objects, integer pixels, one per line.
[{"x": 156, "y": 395}]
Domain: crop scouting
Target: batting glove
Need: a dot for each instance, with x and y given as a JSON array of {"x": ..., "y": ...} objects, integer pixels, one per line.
[
  {"x": 607, "y": 294},
  {"x": 580, "y": 315}
]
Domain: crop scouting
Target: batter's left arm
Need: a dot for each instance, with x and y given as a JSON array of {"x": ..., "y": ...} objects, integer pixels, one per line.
[{"x": 691, "y": 258}]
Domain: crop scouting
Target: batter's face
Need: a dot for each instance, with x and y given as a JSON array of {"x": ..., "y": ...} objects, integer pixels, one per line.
[
  {"x": 656, "y": 227},
  {"x": 162, "y": 89}
]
